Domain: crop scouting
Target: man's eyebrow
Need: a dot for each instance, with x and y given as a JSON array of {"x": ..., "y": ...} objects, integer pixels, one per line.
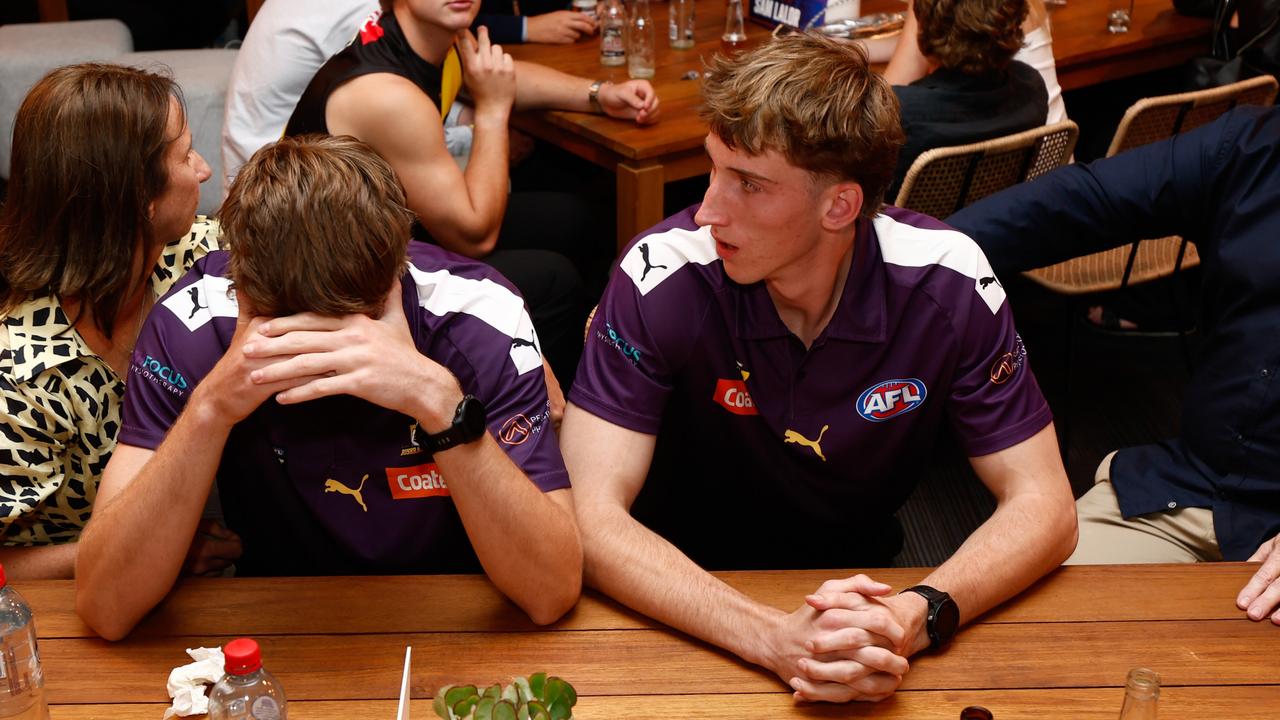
[{"x": 742, "y": 172}]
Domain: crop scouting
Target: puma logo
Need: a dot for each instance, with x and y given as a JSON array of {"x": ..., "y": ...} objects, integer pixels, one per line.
[
  {"x": 335, "y": 486},
  {"x": 196, "y": 307},
  {"x": 644, "y": 254},
  {"x": 792, "y": 436},
  {"x": 984, "y": 282},
  {"x": 530, "y": 343}
]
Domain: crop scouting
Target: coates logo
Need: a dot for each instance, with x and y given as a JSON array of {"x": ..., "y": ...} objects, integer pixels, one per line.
[
  {"x": 416, "y": 482},
  {"x": 891, "y": 398},
  {"x": 733, "y": 396}
]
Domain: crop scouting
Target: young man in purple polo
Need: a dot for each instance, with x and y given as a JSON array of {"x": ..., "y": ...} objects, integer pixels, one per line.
[
  {"x": 765, "y": 376},
  {"x": 366, "y": 405}
]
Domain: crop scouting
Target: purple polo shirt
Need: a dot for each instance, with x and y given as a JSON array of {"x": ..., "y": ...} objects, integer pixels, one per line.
[
  {"x": 339, "y": 485},
  {"x": 771, "y": 455}
]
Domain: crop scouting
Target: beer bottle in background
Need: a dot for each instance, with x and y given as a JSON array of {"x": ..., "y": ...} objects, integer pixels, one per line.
[
  {"x": 613, "y": 30},
  {"x": 1141, "y": 695},
  {"x": 641, "y": 41}
]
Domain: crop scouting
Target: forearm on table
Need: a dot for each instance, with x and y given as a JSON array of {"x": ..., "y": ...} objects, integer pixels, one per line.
[
  {"x": 1028, "y": 536},
  {"x": 134, "y": 548},
  {"x": 637, "y": 567},
  {"x": 527, "y": 543},
  {"x": 540, "y": 87},
  {"x": 39, "y": 562}
]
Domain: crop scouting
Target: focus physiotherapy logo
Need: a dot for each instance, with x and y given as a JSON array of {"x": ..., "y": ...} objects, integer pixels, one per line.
[{"x": 154, "y": 371}]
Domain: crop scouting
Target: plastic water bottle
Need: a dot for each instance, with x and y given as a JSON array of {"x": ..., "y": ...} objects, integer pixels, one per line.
[
  {"x": 613, "y": 29},
  {"x": 246, "y": 692},
  {"x": 21, "y": 681}
]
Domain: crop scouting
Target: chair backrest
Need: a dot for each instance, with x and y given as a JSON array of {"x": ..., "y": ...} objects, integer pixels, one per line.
[
  {"x": 944, "y": 180},
  {"x": 1157, "y": 118}
]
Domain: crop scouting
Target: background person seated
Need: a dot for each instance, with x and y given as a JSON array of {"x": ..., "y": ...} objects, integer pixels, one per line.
[
  {"x": 974, "y": 89},
  {"x": 97, "y": 225},
  {"x": 1212, "y": 492},
  {"x": 340, "y": 402},
  {"x": 290, "y": 39}
]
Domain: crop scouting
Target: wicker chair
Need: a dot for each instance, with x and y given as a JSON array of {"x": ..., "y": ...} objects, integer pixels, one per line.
[
  {"x": 944, "y": 180},
  {"x": 1149, "y": 120}
]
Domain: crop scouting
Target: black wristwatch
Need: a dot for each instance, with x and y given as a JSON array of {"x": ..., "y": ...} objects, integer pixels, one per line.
[
  {"x": 943, "y": 618},
  {"x": 468, "y": 426}
]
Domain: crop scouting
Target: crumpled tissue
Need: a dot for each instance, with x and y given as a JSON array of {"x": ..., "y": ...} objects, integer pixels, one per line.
[{"x": 187, "y": 683}]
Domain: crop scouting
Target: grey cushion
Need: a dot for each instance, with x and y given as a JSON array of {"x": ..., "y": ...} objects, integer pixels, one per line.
[
  {"x": 203, "y": 76},
  {"x": 29, "y": 51}
]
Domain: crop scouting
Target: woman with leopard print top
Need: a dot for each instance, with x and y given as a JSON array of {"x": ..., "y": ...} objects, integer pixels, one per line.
[{"x": 103, "y": 179}]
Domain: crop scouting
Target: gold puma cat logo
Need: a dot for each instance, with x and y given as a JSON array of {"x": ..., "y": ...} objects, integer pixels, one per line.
[
  {"x": 335, "y": 486},
  {"x": 792, "y": 436}
]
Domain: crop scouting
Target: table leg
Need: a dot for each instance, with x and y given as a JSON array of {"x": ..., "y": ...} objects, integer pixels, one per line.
[{"x": 639, "y": 200}]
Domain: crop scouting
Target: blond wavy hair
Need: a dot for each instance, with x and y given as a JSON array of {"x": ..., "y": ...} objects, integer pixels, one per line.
[
  {"x": 816, "y": 102},
  {"x": 316, "y": 223}
]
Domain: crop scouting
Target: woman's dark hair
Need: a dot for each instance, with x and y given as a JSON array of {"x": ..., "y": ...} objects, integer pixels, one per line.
[
  {"x": 971, "y": 36},
  {"x": 88, "y": 159}
]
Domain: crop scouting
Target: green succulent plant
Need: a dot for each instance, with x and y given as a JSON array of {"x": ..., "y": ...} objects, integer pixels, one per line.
[{"x": 536, "y": 697}]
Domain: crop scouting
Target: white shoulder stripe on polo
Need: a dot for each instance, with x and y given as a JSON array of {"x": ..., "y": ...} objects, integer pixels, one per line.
[
  {"x": 910, "y": 246},
  {"x": 658, "y": 256},
  {"x": 202, "y": 300},
  {"x": 441, "y": 292}
]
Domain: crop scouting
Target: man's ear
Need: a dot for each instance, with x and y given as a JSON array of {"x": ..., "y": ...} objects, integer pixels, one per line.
[{"x": 843, "y": 203}]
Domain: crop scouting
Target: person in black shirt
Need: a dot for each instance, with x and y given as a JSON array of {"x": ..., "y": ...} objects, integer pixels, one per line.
[
  {"x": 974, "y": 90},
  {"x": 1213, "y": 492}
]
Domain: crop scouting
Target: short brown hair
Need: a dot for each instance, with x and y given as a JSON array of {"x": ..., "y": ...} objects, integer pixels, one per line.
[
  {"x": 970, "y": 36},
  {"x": 814, "y": 100},
  {"x": 315, "y": 223},
  {"x": 88, "y": 159}
]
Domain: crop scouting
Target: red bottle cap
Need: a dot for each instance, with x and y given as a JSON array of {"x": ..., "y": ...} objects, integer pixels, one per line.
[
  {"x": 243, "y": 656},
  {"x": 3, "y": 580}
]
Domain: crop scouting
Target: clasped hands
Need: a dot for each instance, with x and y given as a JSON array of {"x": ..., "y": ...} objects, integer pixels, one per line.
[{"x": 849, "y": 641}]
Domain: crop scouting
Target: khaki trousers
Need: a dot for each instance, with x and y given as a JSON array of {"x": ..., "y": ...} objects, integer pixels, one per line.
[{"x": 1106, "y": 537}]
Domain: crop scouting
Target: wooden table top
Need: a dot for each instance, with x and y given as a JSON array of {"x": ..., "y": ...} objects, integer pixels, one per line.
[
  {"x": 1086, "y": 54},
  {"x": 337, "y": 645}
]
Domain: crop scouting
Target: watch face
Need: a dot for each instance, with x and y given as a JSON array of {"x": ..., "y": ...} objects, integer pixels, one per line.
[
  {"x": 947, "y": 620},
  {"x": 472, "y": 417}
]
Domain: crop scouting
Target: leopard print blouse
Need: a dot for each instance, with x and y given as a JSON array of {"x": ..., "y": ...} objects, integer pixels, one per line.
[{"x": 61, "y": 408}]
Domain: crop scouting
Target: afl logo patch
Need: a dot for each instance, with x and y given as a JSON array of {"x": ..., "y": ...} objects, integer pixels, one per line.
[{"x": 891, "y": 398}]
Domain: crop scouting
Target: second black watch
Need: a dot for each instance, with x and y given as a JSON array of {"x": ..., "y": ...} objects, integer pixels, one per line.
[
  {"x": 468, "y": 426},
  {"x": 943, "y": 618}
]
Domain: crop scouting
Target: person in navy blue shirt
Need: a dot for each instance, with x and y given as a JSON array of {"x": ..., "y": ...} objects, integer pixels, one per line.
[
  {"x": 766, "y": 374},
  {"x": 333, "y": 379},
  {"x": 1212, "y": 492}
]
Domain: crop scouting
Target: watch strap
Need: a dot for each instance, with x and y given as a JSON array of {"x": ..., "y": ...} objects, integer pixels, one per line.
[
  {"x": 936, "y": 599},
  {"x": 457, "y": 433}
]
